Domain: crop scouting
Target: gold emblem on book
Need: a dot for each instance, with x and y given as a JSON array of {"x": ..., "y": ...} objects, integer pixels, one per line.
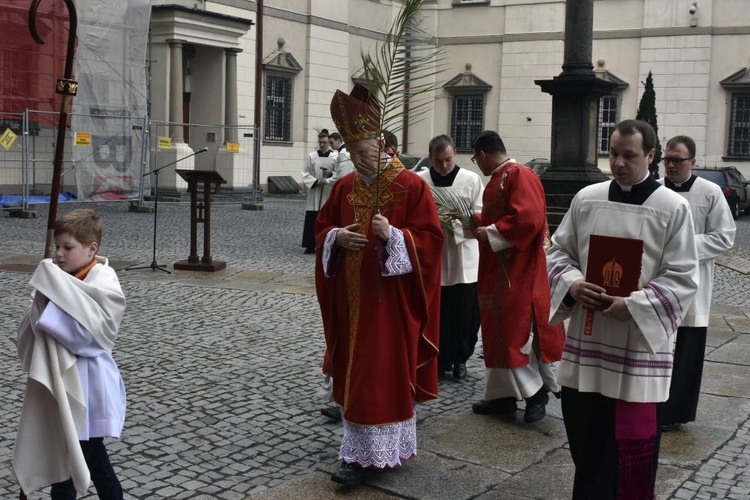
[{"x": 612, "y": 273}]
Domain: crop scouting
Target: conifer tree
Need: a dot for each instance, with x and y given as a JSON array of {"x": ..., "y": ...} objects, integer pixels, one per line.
[{"x": 647, "y": 113}]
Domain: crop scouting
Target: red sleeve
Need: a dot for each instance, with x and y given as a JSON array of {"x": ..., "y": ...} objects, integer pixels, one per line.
[{"x": 527, "y": 208}]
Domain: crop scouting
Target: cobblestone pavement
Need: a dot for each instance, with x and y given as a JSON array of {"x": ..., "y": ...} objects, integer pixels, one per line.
[{"x": 221, "y": 370}]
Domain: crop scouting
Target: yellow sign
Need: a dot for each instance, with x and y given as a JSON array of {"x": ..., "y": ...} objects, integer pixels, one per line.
[
  {"x": 83, "y": 139},
  {"x": 8, "y": 139},
  {"x": 233, "y": 147},
  {"x": 165, "y": 142}
]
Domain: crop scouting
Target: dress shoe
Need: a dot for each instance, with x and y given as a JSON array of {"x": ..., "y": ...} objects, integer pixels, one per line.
[
  {"x": 444, "y": 367},
  {"x": 500, "y": 406},
  {"x": 459, "y": 371},
  {"x": 309, "y": 250},
  {"x": 332, "y": 412},
  {"x": 536, "y": 407},
  {"x": 670, "y": 427},
  {"x": 349, "y": 474}
]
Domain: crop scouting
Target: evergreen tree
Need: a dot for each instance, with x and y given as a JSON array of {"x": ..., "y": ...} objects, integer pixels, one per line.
[{"x": 647, "y": 113}]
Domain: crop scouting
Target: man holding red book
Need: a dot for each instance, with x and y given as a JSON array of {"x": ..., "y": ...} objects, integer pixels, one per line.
[{"x": 617, "y": 362}]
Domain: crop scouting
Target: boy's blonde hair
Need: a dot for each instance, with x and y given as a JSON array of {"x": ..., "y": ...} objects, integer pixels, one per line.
[{"x": 82, "y": 224}]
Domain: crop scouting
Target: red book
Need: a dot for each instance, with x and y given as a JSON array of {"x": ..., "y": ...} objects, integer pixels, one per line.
[{"x": 615, "y": 265}]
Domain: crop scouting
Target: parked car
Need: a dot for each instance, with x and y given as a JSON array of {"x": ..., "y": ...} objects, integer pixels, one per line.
[
  {"x": 732, "y": 183},
  {"x": 415, "y": 163},
  {"x": 538, "y": 165}
]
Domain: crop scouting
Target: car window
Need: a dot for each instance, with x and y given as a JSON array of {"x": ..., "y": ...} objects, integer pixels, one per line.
[
  {"x": 736, "y": 177},
  {"x": 716, "y": 176}
]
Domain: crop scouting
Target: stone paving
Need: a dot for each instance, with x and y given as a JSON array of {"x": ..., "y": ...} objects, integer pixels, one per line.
[{"x": 221, "y": 371}]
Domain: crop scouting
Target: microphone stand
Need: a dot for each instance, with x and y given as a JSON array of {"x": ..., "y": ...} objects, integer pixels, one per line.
[{"x": 154, "y": 266}]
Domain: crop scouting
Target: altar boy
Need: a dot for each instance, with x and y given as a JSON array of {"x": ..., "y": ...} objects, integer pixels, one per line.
[{"x": 75, "y": 395}]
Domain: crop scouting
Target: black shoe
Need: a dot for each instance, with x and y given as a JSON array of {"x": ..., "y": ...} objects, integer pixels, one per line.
[
  {"x": 442, "y": 368},
  {"x": 459, "y": 371},
  {"x": 674, "y": 426},
  {"x": 309, "y": 250},
  {"x": 500, "y": 406},
  {"x": 536, "y": 407},
  {"x": 349, "y": 474},
  {"x": 332, "y": 412}
]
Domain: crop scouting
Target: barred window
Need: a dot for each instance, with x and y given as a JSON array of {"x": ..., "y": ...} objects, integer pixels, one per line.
[
  {"x": 739, "y": 126},
  {"x": 278, "y": 123},
  {"x": 607, "y": 121},
  {"x": 467, "y": 120}
]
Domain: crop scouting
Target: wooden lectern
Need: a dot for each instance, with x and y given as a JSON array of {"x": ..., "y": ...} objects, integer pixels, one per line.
[{"x": 200, "y": 212}]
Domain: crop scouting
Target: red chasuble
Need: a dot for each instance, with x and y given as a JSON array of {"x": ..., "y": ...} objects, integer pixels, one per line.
[
  {"x": 382, "y": 332},
  {"x": 513, "y": 282}
]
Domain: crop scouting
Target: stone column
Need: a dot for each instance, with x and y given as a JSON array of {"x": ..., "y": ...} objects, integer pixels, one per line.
[
  {"x": 230, "y": 105},
  {"x": 175, "y": 89},
  {"x": 575, "y": 111}
]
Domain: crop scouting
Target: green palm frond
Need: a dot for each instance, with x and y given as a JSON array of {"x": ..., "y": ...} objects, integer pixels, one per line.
[
  {"x": 452, "y": 206},
  {"x": 402, "y": 72}
]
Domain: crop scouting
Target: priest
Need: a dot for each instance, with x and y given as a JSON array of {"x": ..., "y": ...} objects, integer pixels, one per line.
[{"x": 617, "y": 362}]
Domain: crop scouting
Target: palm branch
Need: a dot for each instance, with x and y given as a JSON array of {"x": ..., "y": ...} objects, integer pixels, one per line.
[
  {"x": 401, "y": 77},
  {"x": 452, "y": 206},
  {"x": 401, "y": 74}
]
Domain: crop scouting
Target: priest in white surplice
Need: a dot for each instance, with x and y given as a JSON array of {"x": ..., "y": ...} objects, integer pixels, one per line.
[
  {"x": 459, "y": 306},
  {"x": 616, "y": 374},
  {"x": 714, "y": 235}
]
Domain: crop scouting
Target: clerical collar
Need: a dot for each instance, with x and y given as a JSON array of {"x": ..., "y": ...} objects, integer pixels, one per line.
[
  {"x": 341, "y": 148},
  {"x": 682, "y": 187},
  {"x": 444, "y": 180},
  {"x": 324, "y": 154},
  {"x": 636, "y": 195},
  {"x": 507, "y": 160}
]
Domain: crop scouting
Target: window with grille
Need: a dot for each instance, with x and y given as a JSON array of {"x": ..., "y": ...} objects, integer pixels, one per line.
[
  {"x": 739, "y": 126},
  {"x": 467, "y": 120},
  {"x": 607, "y": 121},
  {"x": 278, "y": 126}
]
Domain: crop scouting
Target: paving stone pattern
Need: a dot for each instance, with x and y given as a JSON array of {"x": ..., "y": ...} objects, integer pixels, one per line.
[{"x": 221, "y": 376}]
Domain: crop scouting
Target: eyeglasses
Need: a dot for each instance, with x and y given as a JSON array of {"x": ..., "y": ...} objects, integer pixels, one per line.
[
  {"x": 474, "y": 159},
  {"x": 675, "y": 161}
]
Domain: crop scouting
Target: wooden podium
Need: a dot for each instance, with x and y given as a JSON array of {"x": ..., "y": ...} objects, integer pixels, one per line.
[{"x": 200, "y": 211}]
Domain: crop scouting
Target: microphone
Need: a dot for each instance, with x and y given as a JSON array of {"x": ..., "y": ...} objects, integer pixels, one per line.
[{"x": 156, "y": 170}]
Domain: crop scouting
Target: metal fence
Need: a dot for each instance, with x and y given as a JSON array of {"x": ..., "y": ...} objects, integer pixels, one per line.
[
  {"x": 102, "y": 162},
  {"x": 229, "y": 150},
  {"x": 113, "y": 158}
]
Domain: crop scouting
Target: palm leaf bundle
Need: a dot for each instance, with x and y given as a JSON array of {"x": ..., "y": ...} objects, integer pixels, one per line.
[{"x": 452, "y": 206}]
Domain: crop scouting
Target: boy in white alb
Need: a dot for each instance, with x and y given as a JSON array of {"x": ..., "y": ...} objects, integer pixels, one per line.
[{"x": 75, "y": 395}]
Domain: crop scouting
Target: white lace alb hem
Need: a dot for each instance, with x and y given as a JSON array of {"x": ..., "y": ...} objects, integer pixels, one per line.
[{"x": 379, "y": 446}]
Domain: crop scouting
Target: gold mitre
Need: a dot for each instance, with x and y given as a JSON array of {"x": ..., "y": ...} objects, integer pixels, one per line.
[{"x": 356, "y": 115}]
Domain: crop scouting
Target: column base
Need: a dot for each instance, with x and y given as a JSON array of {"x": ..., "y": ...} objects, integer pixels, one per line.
[
  {"x": 168, "y": 179},
  {"x": 236, "y": 168}
]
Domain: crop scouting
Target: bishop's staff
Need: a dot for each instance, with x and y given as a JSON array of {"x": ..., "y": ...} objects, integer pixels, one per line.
[{"x": 67, "y": 87}]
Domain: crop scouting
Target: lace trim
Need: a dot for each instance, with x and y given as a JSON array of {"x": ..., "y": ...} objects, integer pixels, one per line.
[
  {"x": 398, "y": 261},
  {"x": 329, "y": 249},
  {"x": 379, "y": 446}
]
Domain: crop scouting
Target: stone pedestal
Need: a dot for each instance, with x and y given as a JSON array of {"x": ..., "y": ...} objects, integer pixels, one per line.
[
  {"x": 235, "y": 168},
  {"x": 169, "y": 181},
  {"x": 573, "y": 164}
]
